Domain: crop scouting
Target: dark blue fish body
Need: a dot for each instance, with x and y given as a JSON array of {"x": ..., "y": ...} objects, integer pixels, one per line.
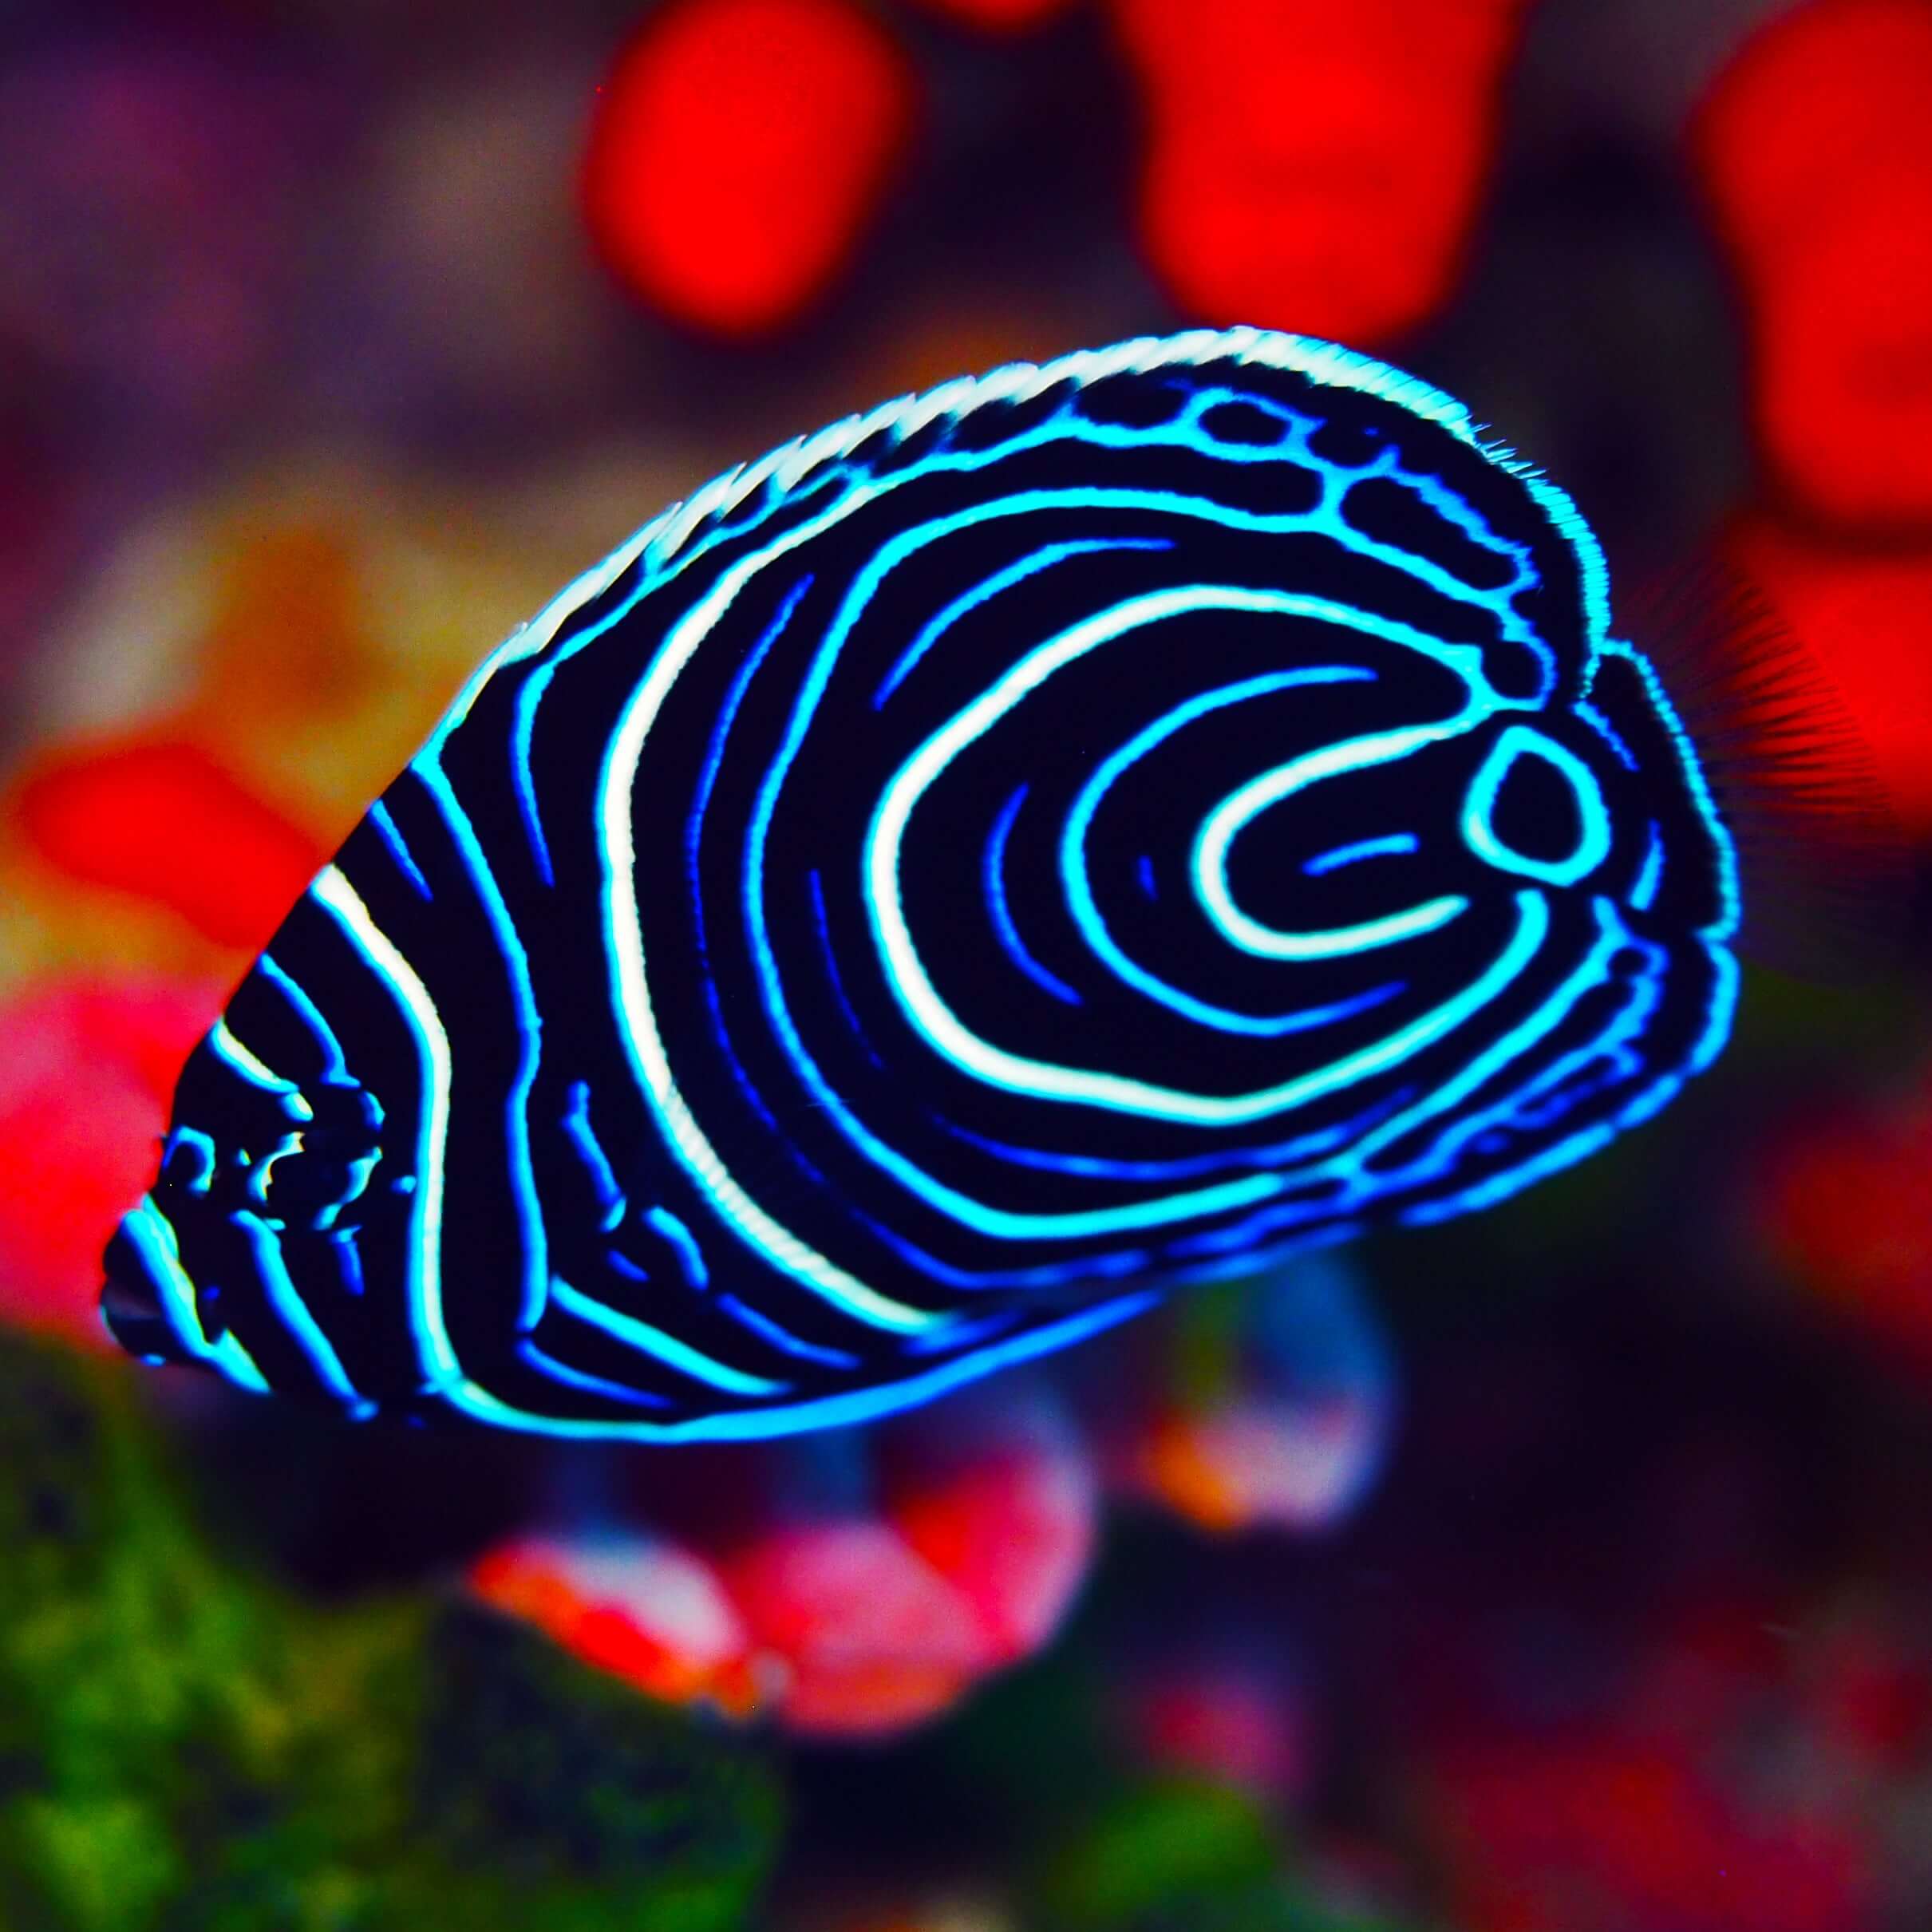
[{"x": 1083, "y": 831}]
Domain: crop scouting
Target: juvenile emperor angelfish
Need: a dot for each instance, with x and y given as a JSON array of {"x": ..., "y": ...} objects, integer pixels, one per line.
[{"x": 1075, "y": 833}]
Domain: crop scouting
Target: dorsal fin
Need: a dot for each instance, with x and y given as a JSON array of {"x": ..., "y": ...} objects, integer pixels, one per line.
[{"x": 1825, "y": 870}]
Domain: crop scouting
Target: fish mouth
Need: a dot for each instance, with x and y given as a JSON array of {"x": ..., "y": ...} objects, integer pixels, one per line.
[{"x": 131, "y": 1303}]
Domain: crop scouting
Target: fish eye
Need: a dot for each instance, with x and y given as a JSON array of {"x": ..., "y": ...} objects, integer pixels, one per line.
[{"x": 1534, "y": 807}]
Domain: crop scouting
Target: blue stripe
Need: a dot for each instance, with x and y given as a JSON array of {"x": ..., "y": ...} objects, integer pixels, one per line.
[
  {"x": 780, "y": 1338},
  {"x": 833, "y": 977},
  {"x": 682, "y": 1240},
  {"x": 1002, "y": 580},
  {"x": 1363, "y": 848},
  {"x": 1002, "y": 914},
  {"x": 310, "y": 1015},
  {"x": 1643, "y": 894},
  {"x": 379, "y": 817},
  {"x": 577, "y": 1125},
  {"x": 654, "y": 1341},
  {"x": 592, "y": 1384},
  {"x": 838, "y": 1410},
  {"x": 285, "y": 1299},
  {"x": 529, "y": 1024},
  {"x": 1079, "y": 890}
]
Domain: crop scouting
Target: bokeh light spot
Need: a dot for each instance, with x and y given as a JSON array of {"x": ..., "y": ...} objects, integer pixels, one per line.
[
  {"x": 86, "y": 1064},
  {"x": 165, "y": 821},
  {"x": 738, "y": 149},
  {"x": 1310, "y": 167},
  {"x": 1000, "y": 16},
  {"x": 1815, "y": 151}
]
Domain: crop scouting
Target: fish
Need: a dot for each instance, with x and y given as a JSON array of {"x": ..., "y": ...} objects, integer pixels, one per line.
[{"x": 1084, "y": 830}]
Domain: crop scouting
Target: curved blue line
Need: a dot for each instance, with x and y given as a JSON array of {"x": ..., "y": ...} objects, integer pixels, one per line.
[
  {"x": 681, "y": 1239},
  {"x": 1479, "y": 830},
  {"x": 555, "y": 1371},
  {"x": 1333, "y": 861},
  {"x": 727, "y": 716},
  {"x": 781, "y": 1338},
  {"x": 833, "y": 977},
  {"x": 1028, "y": 566},
  {"x": 311, "y": 1016},
  {"x": 968, "y": 1334},
  {"x": 391, "y": 836},
  {"x": 1621, "y": 1037},
  {"x": 656, "y": 1342},
  {"x": 529, "y": 1022},
  {"x": 577, "y": 1125},
  {"x": 1724, "y": 926},
  {"x": 707, "y": 780},
  {"x": 995, "y": 879},
  {"x": 976, "y": 1214},
  {"x": 293, "y": 1312},
  {"x": 1053, "y": 1276},
  {"x": 1501, "y": 1052},
  {"x": 1608, "y": 734},
  {"x": 1079, "y": 890},
  {"x": 1643, "y": 894},
  {"x": 1337, "y": 368},
  {"x": 1276, "y": 1156},
  {"x": 830, "y": 1412},
  {"x": 350, "y": 1260}
]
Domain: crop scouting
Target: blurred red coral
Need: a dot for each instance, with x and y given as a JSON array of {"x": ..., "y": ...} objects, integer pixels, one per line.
[
  {"x": 161, "y": 820},
  {"x": 1704, "y": 1782},
  {"x": 858, "y": 1583},
  {"x": 1000, "y": 16},
  {"x": 1281, "y": 1419},
  {"x": 1234, "y": 1467},
  {"x": 644, "y": 1610},
  {"x": 1815, "y": 151},
  {"x": 1848, "y": 1197},
  {"x": 996, "y": 1492},
  {"x": 86, "y": 1066},
  {"x": 1598, "y": 1833},
  {"x": 737, "y": 151},
  {"x": 1312, "y": 166},
  {"x": 853, "y": 1587},
  {"x": 870, "y": 1637},
  {"x": 1229, "y": 1718}
]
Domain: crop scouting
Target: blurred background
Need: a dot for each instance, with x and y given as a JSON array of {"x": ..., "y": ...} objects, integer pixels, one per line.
[{"x": 1567, "y": 1569}]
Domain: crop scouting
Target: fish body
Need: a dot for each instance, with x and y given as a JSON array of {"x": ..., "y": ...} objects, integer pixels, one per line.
[{"x": 1084, "y": 830}]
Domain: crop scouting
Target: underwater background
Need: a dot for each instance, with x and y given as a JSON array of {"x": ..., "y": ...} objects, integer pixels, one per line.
[{"x": 1567, "y": 1568}]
